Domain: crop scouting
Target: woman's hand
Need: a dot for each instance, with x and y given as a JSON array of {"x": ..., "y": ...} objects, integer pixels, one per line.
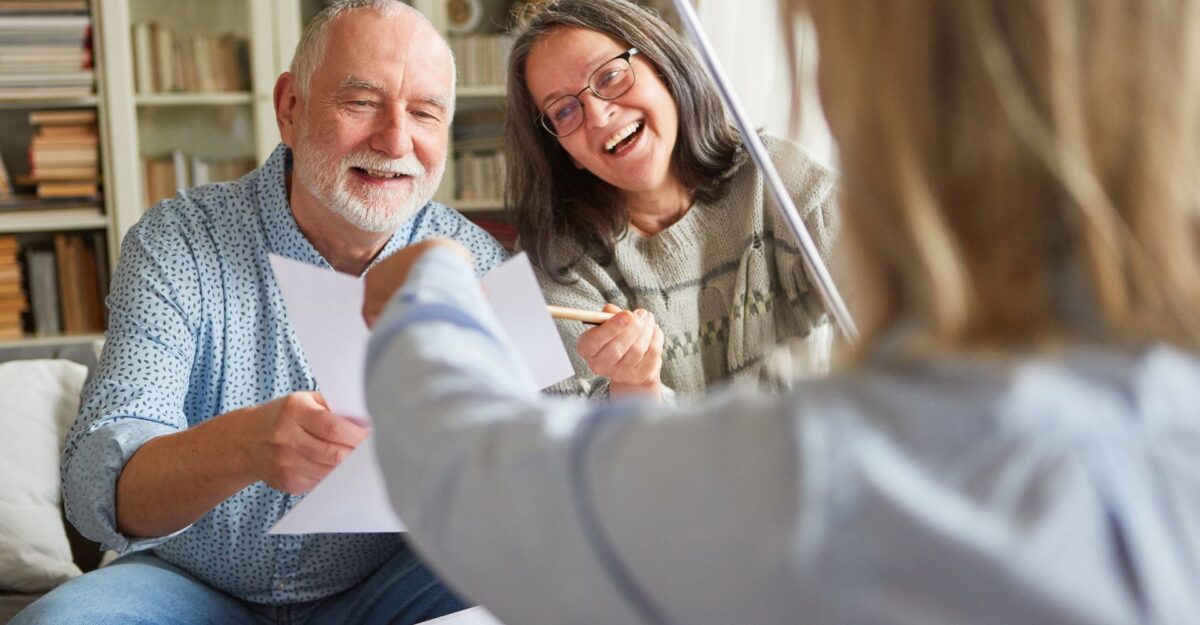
[
  {"x": 627, "y": 350},
  {"x": 384, "y": 279}
]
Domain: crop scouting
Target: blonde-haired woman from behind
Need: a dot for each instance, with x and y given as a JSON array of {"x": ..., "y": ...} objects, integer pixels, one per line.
[{"x": 1016, "y": 441}]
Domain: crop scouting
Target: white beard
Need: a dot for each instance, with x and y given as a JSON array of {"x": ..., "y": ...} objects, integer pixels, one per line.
[{"x": 370, "y": 209}]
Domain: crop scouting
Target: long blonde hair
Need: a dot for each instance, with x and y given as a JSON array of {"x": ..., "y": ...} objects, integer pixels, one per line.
[{"x": 1017, "y": 172}]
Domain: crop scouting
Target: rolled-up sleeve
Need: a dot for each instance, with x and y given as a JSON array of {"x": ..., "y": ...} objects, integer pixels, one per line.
[{"x": 139, "y": 387}]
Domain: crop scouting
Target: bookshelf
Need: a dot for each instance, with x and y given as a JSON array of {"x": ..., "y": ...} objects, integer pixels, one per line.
[
  {"x": 475, "y": 173},
  {"x": 194, "y": 100},
  {"x": 473, "y": 182},
  {"x": 55, "y": 216},
  {"x": 208, "y": 114}
]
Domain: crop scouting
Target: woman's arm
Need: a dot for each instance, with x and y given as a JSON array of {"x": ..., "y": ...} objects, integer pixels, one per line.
[{"x": 587, "y": 498}]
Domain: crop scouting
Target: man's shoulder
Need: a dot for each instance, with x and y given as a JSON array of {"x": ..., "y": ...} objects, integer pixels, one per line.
[
  {"x": 207, "y": 205},
  {"x": 438, "y": 220}
]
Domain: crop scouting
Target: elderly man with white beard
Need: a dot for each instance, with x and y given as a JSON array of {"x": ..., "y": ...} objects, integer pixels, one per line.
[{"x": 202, "y": 424}]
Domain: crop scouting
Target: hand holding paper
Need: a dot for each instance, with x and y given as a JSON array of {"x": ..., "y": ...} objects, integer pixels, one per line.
[
  {"x": 325, "y": 308},
  {"x": 389, "y": 275},
  {"x": 298, "y": 441}
]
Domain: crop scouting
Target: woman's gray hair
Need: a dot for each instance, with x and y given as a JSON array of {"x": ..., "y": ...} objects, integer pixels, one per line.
[{"x": 310, "y": 51}]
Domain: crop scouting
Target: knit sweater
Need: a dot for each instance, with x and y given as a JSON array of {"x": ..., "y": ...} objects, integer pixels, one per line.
[{"x": 726, "y": 283}]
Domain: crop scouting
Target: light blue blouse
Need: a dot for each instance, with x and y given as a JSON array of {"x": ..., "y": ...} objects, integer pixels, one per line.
[{"x": 1058, "y": 489}]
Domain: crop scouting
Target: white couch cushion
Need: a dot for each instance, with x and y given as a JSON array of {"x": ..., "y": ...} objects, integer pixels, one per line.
[{"x": 40, "y": 401}]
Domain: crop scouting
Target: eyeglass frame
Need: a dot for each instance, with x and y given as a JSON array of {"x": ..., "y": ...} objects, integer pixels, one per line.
[{"x": 624, "y": 56}]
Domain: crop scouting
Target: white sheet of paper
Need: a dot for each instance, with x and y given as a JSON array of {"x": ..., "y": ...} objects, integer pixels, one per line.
[
  {"x": 471, "y": 616},
  {"x": 326, "y": 309},
  {"x": 517, "y": 300},
  {"x": 353, "y": 498}
]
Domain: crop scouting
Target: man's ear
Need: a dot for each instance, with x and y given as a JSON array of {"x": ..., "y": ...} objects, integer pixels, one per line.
[{"x": 286, "y": 104}]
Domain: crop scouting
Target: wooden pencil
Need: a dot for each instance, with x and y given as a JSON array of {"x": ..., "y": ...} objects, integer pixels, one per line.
[{"x": 575, "y": 314}]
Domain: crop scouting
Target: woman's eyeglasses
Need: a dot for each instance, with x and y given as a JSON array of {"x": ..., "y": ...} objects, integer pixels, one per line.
[{"x": 610, "y": 81}]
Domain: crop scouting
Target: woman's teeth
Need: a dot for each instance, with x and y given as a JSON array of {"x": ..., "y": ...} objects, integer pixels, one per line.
[{"x": 621, "y": 135}]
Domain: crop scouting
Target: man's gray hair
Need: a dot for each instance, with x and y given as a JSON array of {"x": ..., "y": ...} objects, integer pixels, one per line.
[{"x": 310, "y": 51}]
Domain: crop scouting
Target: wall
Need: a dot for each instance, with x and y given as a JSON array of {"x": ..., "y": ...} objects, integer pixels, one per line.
[{"x": 746, "y": 32}]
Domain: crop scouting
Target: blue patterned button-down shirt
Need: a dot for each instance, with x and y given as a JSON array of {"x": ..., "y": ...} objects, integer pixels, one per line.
[{"x": 198, "y": 328}]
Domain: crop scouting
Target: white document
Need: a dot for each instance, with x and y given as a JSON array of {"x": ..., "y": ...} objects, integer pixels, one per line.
[
  {"x": 352, "y": 499},
  {"x": 326, "y": 308},
  {"x": 517, "y": 300}
]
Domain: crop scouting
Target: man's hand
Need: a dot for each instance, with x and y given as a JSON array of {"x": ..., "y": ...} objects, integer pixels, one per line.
[
  {"x": 296, "y": 441},
  {"x": 291, "y": 443},
  {"x": 384, "y": 279},
  {"x": 627, "y": 350}
]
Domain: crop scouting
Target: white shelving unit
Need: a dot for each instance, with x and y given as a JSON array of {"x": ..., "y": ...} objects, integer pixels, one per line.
[
  {"x": 38, "y": 225},
  {"x": 52, "y": 220},
  {"x": 485, "y": 205},
  {"x": 43, "y": 103},
  {"x": 193, "y": 99},
  {"x": 219, "y": 124},
  {"x": 482, "y": 92}
]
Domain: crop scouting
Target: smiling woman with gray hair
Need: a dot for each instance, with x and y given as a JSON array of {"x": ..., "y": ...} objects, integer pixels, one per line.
[
  {"x": 1016, "y": 440},
  {"x": 630, "y": 189}
]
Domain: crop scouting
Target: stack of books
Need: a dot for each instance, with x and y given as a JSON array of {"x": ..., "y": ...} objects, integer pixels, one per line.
[
  {"x": 80, "y": 262},
  {"x": 45, "y": 50},
  {"x": 480, "y": 174},
  {"x": 64, "y": 156},
  {"x": 68, "y": 284},
  {"x": 12, "y": 299},
  {"x": 165, "y": 61}
]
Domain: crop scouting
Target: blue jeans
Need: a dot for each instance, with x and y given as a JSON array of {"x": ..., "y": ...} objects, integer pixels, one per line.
[{"x": 141, "y": 588}]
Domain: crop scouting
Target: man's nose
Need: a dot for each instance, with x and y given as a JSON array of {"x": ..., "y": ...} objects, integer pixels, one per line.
[{"x": 393, "y": 137}]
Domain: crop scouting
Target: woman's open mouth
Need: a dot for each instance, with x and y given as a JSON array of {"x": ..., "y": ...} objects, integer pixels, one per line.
[{"x": 625, "y": 137}]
